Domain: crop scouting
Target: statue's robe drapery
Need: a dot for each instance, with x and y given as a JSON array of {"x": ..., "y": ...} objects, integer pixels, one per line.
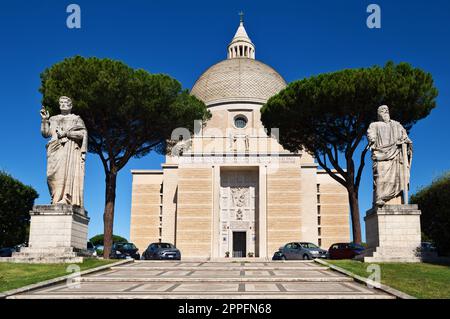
[
  {"x": 390, "y": 176},
  {"x": 65, "y": 162}
]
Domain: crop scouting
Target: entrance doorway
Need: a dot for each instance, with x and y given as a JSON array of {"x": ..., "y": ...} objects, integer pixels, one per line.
[
  {"x": 239, "y": 243},
  {"x": 238, "y": 212}
]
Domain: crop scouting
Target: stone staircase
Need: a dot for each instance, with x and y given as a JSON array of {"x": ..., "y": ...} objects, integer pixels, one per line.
[{"x": 213, "y": 280}]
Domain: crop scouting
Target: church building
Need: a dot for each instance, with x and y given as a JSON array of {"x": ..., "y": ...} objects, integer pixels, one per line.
[{"x": 232, "y": 190}]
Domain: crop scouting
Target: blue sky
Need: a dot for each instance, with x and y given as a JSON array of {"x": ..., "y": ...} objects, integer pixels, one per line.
[{"x": 183, "y": 38}]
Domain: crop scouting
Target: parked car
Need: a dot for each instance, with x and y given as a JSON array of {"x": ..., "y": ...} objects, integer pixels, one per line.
[
  {"x": 427, "y": 247},
  {"x": 161, "y": 251},
  {"x": 91, "y": 249},
  {"x": 124, "y": 251},
  {"x": 344, "y": 250},
  {"x": 299, "y": 250},
  {"x": 7, "y": 251}
]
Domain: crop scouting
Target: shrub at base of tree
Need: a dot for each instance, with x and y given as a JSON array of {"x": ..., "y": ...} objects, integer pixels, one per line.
[
  {"x": 433, "y": 201},
  {"x": 16, "y": 201}
]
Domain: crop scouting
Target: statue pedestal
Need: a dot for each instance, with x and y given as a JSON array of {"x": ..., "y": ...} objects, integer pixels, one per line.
[
  {"x": 58, "y": 233},
  {"x": 393, "y": 234}
]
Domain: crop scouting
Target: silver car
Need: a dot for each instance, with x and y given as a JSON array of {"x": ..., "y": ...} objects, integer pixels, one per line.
[
  {"x": 91, "y": 249},
  {"x": 300, "y": 250}
]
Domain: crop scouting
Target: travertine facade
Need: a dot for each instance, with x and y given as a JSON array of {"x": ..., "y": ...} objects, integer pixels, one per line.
[{"x": 232, "y": 188}]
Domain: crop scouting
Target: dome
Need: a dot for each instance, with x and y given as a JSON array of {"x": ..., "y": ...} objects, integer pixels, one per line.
[{"x": 238, "y": 80}]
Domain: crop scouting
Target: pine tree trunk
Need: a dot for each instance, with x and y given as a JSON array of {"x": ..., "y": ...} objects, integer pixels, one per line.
[
  {"x": 354, "y": 212},
  {"x": 108, "y": 215}
]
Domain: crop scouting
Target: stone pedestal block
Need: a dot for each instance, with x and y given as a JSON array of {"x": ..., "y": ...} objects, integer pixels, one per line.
[
  {"x": 58, "y": 233},
  {"x": 393, "y": 234}
]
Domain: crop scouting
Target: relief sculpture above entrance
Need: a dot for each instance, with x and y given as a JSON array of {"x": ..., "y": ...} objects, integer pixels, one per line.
[{"x": 240, "y": 199}]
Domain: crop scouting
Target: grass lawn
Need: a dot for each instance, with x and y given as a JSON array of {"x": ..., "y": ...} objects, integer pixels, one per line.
[
  {"x": 14, "y": 276},
  {"x": 420, "y": 280}
]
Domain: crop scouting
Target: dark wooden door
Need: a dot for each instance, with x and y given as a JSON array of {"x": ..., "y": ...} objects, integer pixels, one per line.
[{"x": 239, "y": 244}]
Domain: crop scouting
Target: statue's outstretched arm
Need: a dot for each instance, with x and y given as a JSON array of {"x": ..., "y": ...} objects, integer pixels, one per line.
[{"x": 45, "y": 123}]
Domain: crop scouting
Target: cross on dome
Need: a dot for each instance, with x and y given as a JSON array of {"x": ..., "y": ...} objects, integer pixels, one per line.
[{"x": 241, "y": 15}]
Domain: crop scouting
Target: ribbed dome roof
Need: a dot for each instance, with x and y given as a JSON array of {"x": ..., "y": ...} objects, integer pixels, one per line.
[{"x": 238, "y": 80}]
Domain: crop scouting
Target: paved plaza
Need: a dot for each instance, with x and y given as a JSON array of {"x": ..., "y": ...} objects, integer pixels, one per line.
[{"x": 227, "y": 280}]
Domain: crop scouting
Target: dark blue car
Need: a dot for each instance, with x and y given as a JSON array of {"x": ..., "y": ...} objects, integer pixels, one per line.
[
  {"x": 124, "y": 251},
  {"x": 7, "y": 252}
]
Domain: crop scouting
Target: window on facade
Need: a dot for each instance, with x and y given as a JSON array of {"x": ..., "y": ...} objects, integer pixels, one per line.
[
  {"x": 319, "y": 230},
  {"x": 318, "y": 188},
  {"x": 240, "y": 121},
  {"x": 318, "y": 220}
]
